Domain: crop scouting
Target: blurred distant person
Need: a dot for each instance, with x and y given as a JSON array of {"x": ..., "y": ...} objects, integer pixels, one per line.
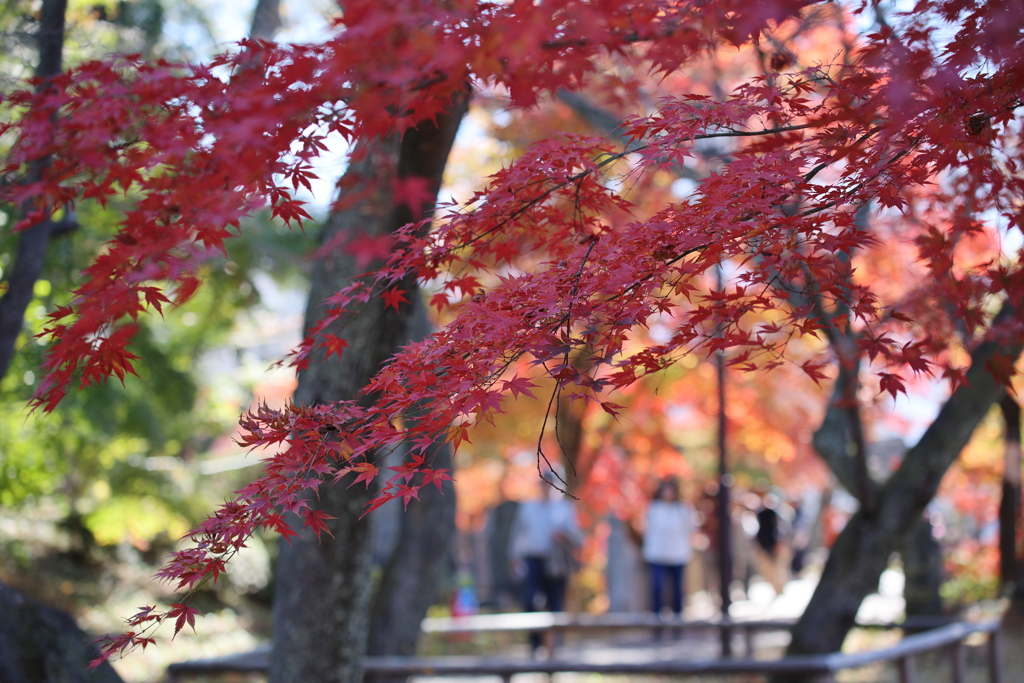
[
  {"x": 801, "y": 537},
  {"x": 666, "y": 547},
  {"x": 545, "y": 539},
  {"x": 770, "y": 555}
]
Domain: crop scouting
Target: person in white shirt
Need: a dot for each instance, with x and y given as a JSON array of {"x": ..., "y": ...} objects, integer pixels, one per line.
[
  {"x": 666, "y": 547},
  {"x": 542, "y": 548}
]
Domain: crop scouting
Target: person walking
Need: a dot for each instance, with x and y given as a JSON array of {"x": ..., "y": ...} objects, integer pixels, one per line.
[
  {"x": 771, "y": 553},
  {"x": 543, "y": 547},
  {"x": 666, "y": 547}
]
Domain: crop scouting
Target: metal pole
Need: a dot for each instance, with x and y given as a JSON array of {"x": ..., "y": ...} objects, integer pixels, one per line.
[
  {"x": 724, "y": 519},
  {"x": 995, "y": 657},
  {"x": 906, "y": 669},
  {"x": 959, "y": 655}
]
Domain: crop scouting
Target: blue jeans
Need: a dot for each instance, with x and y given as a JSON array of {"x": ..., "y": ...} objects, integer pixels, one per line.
[
  {"x": 674, "y": 575},
  {"x": 537, "y": 582}
]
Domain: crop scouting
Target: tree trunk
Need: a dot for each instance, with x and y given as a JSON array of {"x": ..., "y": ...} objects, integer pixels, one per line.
[
  {"x": 32, "y": 243},
  {"x": 862, "y": 550},
  {"x": 504, "y": 590},
  {"x": 323, "y": 591},
  {"x": 923, "y": 570}
]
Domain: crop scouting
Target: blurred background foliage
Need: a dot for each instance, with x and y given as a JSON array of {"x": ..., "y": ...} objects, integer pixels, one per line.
[{"x": 93, "y": 495}]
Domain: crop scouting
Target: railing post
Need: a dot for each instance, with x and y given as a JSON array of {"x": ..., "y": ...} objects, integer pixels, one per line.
[
  {"x": 748, "y": 634},
  {"x": 959, "y": 655},
  {"x": 906, "y": 668},
  {"x": 995, "y": 656},
  {"x": 549, "y": 641},
  {"x": 726, "y": 639}
]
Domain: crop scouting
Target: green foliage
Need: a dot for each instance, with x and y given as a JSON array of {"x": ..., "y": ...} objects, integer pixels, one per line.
[{"x": 116, "y": 453}]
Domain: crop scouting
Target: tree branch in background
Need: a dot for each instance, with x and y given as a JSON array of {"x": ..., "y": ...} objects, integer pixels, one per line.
[
  {"x": 862, "y": 550},
  {"x": 611, "y": 127},
  {"x": 266, "y": 20}
]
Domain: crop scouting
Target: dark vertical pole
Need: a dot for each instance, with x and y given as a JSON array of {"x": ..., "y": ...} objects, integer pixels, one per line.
[
  {"x": 1010, "y": 505},
  {"x": 724, "y": 519}
]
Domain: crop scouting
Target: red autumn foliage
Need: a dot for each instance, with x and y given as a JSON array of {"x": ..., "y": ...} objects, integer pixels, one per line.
[{"x": 922, "y": 118}]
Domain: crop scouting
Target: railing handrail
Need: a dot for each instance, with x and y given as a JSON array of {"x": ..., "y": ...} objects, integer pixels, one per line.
[
  {"x": 907, "y": 648},
  {"x": 912, "y": 645},
  {"x": 536, "y": 621}
]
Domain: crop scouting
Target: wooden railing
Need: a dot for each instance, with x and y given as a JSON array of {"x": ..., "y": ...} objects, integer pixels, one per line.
[
  {"x": 903, "y": 654},
  {"x": 552, "y": 624}
]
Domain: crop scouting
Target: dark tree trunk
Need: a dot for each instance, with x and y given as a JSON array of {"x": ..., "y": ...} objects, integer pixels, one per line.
[
  {"x": 862, "y": 550},
  {"x": 32, "y": 243},
  {"x": 504, "y": 589},
  {"x": 323, "y": 591},
  {"x": 840, "y": 442},
  {"x": 922, "y": 570}
]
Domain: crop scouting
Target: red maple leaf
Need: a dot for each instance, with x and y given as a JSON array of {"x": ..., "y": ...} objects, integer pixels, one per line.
[
  {"x": 393, "y": 297},
  {"x": 334, "y": 344},
  {"x": 317, "y": 521},
  {"x": 892, "y": 383},
  {"x": 367, "y": 473},
  {"x": 436, "y": 477},
  {"x": 182, "y": 614}
]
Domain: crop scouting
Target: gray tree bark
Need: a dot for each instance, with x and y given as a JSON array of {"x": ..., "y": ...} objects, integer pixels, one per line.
[
  {"x": 923, "y": 570},
  {"x": 862, "y": 550},
  {"x": 322, "y": 594}
]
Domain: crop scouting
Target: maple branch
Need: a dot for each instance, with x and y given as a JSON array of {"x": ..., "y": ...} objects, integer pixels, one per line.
[
  {"x": 611, "y": 126},
  {"x": 557, "y": 396},
  {"x": 753, "y": 133},
  {"x": 541, "y": 455}
]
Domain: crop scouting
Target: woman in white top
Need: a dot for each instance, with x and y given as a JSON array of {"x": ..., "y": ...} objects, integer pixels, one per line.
[{"x": 667, "y": 543}]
